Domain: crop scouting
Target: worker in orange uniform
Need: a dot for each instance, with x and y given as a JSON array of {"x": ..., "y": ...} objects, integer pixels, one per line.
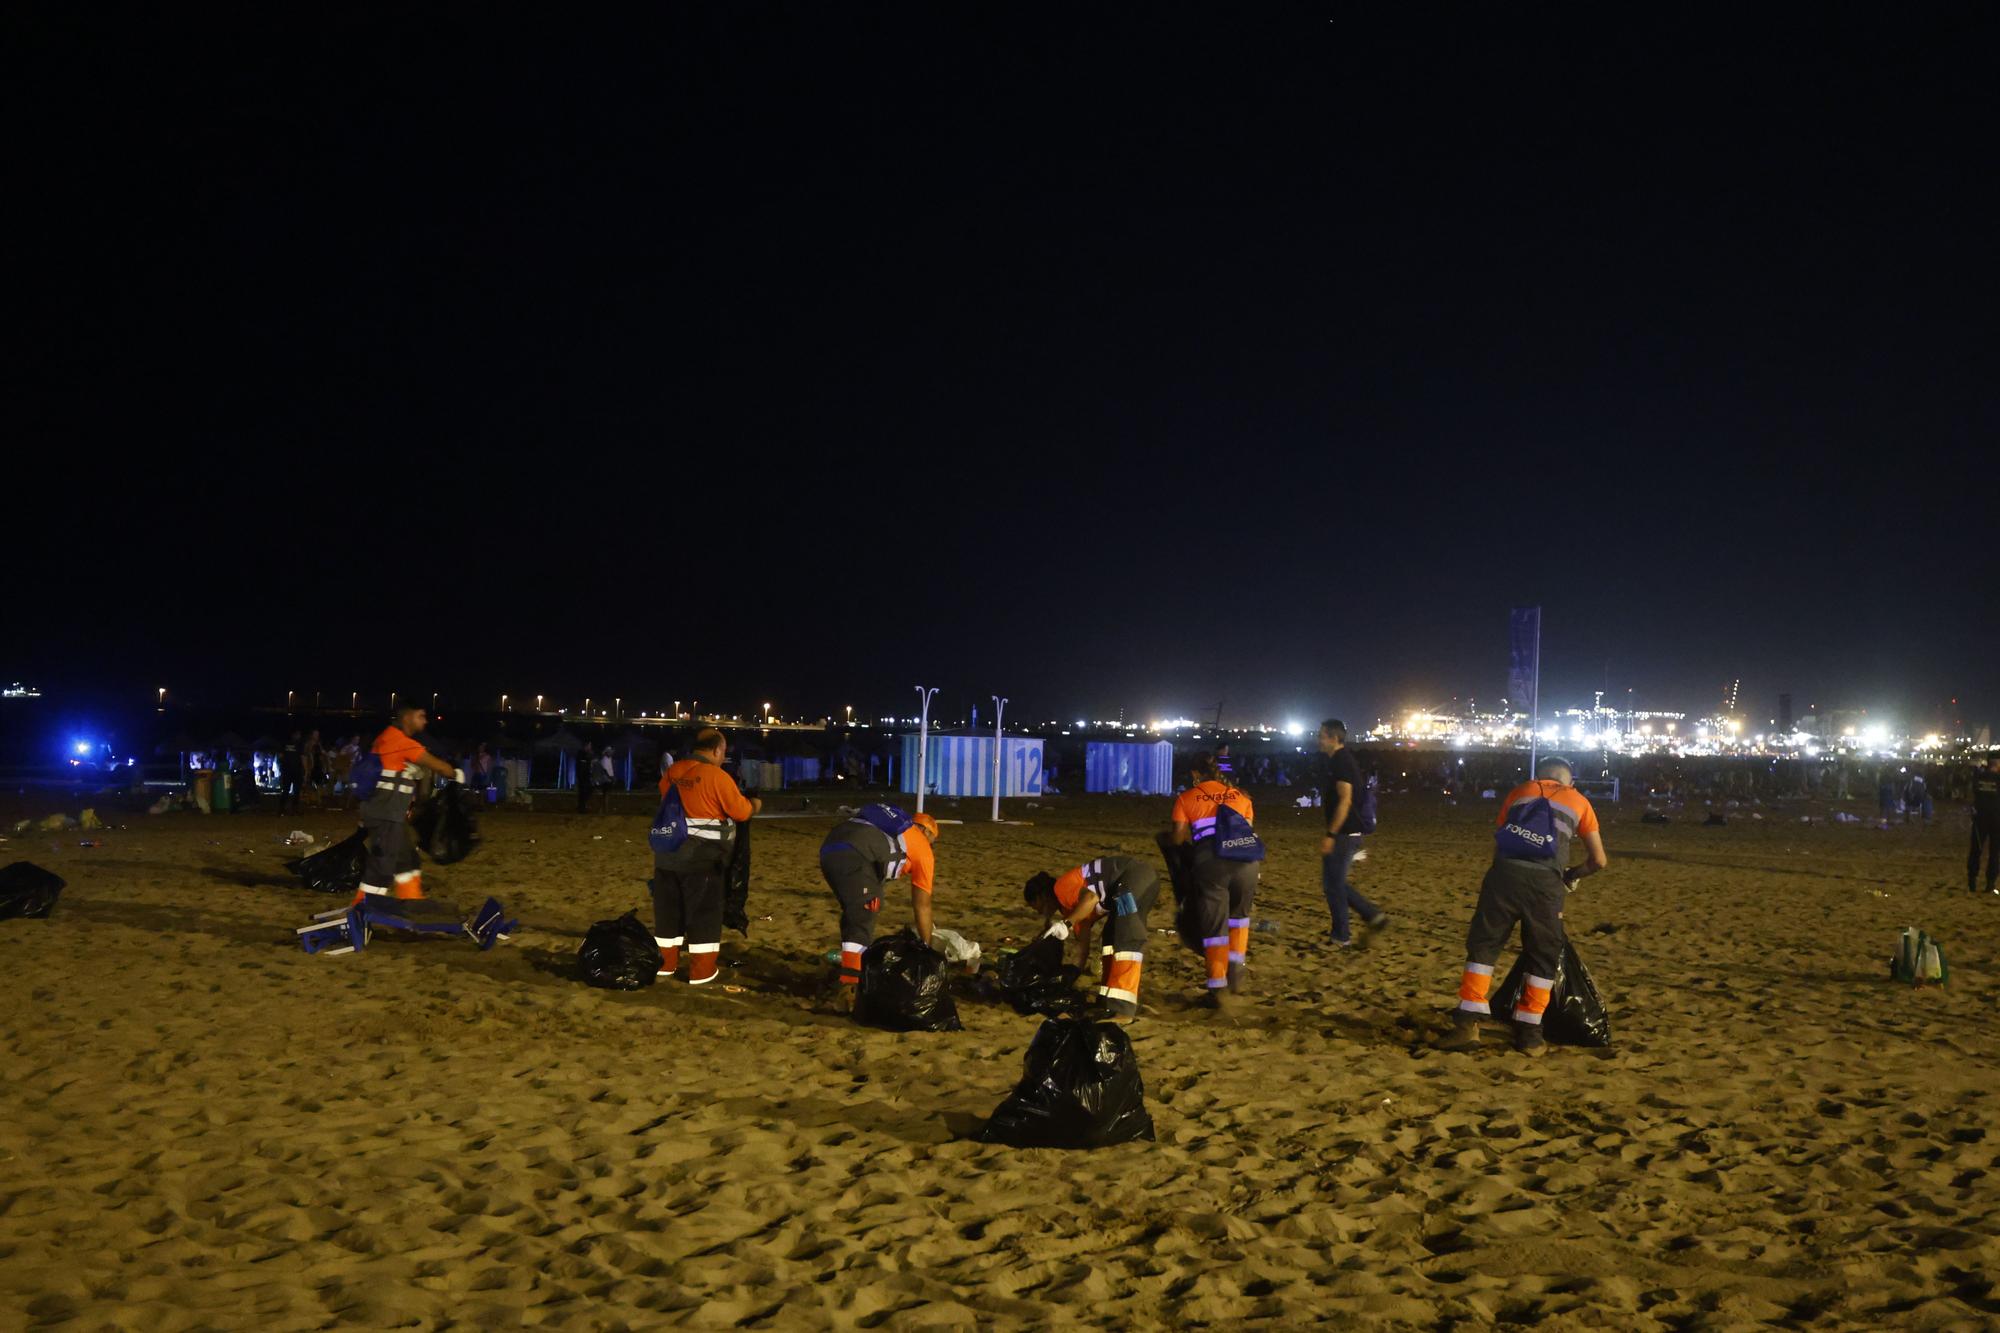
[
  {"x": 1527, "y": 882},
  {"x": 1217, "y": 819},
  {"x": 386, "y": 779},
  {"x": 858, "y": 859},
  {"x": 1118, "y": 888},
  {"x": 688, "y": 879}
]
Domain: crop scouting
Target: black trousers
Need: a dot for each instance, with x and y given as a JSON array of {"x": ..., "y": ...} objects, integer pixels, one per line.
[
  {"x": 582, "y": 797},
  {"x": 856, "y": 882},
  {"x": 1528, "y": 892},
  {"x": 687, "y": 893},
  {"x": 288, "y": 793},
  {"x": 1225, "y": 892},
  {"x": 392, "y": 852},
  {"x": 1986, "y": 835}
]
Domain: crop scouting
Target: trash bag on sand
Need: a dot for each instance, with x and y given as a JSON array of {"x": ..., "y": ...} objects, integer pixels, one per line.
[
  {"x": 619, "y": 955},
  {"x": 447, "y": 825},
  {"x": 1035, "y": 980},
  {"x": 335, "y": 869},
  {"x": 1575, "y": 1015},
  {"x": 28, "y": 890},
  {"x": 1187, "y": 897},
  {"x": 736, "y": 884},
  {"x": 1080, "y": 1089},
  {"x": 903, "y": 987}
]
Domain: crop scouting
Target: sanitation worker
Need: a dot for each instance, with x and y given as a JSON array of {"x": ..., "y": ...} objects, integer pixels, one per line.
[
  {"x": 386, "y": 779},
  {"x": 1985, "y": 825},
  {"x": 687, "y": 881},
  {"x": 1117, "y": 889},
  {"x": 858, "y": 859},
  {"x": 1224, "y": 870},
  {"x": 1530, "y": 874}
]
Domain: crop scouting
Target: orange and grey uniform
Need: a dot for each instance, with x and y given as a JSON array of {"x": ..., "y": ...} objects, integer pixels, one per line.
[
  {"x": 857, "y": 861},
  {"x": 391, "y": 868},
  {"x": 1124, "y": 890},
  {"x": 1227, "y": 889},
  {"x": 1530, "y": 892},
  {"x": 687, "y": 882}
]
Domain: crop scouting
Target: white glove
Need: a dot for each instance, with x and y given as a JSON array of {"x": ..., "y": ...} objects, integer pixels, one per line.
[
  {"x": 458, "y": 776},
  {"x": 1058, "y": 929}
]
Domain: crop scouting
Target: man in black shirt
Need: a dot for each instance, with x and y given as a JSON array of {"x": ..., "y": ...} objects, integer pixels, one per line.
[
  {"x": 1985, "y": 825},
  {"x": 1340, "y": 787}
]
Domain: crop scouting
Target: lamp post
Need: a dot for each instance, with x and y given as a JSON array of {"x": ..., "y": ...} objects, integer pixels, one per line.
[
  {"x": 999, "y": 731},
  {"x": 923, "y": 739}
]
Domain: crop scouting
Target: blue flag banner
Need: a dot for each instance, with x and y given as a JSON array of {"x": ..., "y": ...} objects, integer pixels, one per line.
[{"x": 1524, "y": 638}]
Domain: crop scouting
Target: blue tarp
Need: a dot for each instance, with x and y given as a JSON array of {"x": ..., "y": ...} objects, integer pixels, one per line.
[
  {"x": 1129, "y": 766},
  {"x": 963, "y": 766}
]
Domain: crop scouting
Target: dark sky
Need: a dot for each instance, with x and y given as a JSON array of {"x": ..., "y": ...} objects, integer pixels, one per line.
[{"x": 786, "y": 353}]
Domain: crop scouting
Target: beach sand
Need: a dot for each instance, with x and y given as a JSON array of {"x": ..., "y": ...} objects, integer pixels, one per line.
[{"x": 203, "y": 1127}]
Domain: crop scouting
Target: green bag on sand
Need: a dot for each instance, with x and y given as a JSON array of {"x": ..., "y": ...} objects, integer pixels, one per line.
[{"x": 1918, "y": 960}]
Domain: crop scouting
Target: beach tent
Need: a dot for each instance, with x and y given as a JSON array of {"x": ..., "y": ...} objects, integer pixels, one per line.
[
  {"x": 1141, "y": 768},
  {"x": 963, "y": 765}
]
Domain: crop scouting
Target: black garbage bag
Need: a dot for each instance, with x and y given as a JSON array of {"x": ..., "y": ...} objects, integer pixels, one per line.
[
  {"x": 335, "y": 869},
  {"x": 619, "y": 955},
  {"x": 1081, "y": 1089},
  {"x": 1575, "y": 1015},
  {"x": 446, "y": 826},
  {"x": 903, "y": 987},
  {"x": 28, "y": 890},
  {"x": 1035, "y": 980},
  {"x": 736, "y": 884},
  {"x": 1187, "y": 896}
]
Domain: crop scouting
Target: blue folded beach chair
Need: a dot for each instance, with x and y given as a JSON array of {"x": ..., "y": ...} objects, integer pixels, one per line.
[{"x": 349, "y": 929}]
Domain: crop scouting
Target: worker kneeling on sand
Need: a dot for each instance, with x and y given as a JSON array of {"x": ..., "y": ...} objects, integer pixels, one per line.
[
  {"x": 1115, "y": 887},
  {"x": 700, "y": 807},
  {"x": 858, "y": 859},
  {"x": 386, "y": 780},
  {"x": 1526, "y": 883},
  {"x": 1217, "y": 819}
]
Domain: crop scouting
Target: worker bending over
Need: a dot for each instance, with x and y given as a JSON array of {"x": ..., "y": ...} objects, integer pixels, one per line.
[
  {"x": 858, "y": 859},
  {"x": 1217, "y": 820},
  {"x": 688, "y": 865},
  {"x": 1115, "y": 887},
  {"x": 1527, "y": 882}
]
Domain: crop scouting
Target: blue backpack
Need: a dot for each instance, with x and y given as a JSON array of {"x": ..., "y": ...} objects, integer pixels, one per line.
[
  {"x": 1235, "y": 840},
  {"x": 670, "y": 825},
  {"x": 1364, "y": 805},
  {"x": 365, "y": 774},
  {"x": 890, "y": 819},
  {"x": 1530, "y": 836}
]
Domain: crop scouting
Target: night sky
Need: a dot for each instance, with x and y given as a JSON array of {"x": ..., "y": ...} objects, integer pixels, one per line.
[{"x": 804, "y": 353}]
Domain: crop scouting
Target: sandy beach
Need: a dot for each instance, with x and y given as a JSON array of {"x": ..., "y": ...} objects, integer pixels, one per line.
[{"x": 203, "y": 1127}]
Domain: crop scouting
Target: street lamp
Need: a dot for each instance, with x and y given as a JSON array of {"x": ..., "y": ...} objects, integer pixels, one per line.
[
  {"x": 923, "y": 739},
  {"x": 999, "y": 731}
]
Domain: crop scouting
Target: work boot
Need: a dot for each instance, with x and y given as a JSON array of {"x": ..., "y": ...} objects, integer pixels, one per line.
[
  {"x": 1218, "y": 1002},
  {"x": 1239, "y": 979},
  {"x": 1529, "y": 1041},
  {"x": 1464, "y": 1034}
]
